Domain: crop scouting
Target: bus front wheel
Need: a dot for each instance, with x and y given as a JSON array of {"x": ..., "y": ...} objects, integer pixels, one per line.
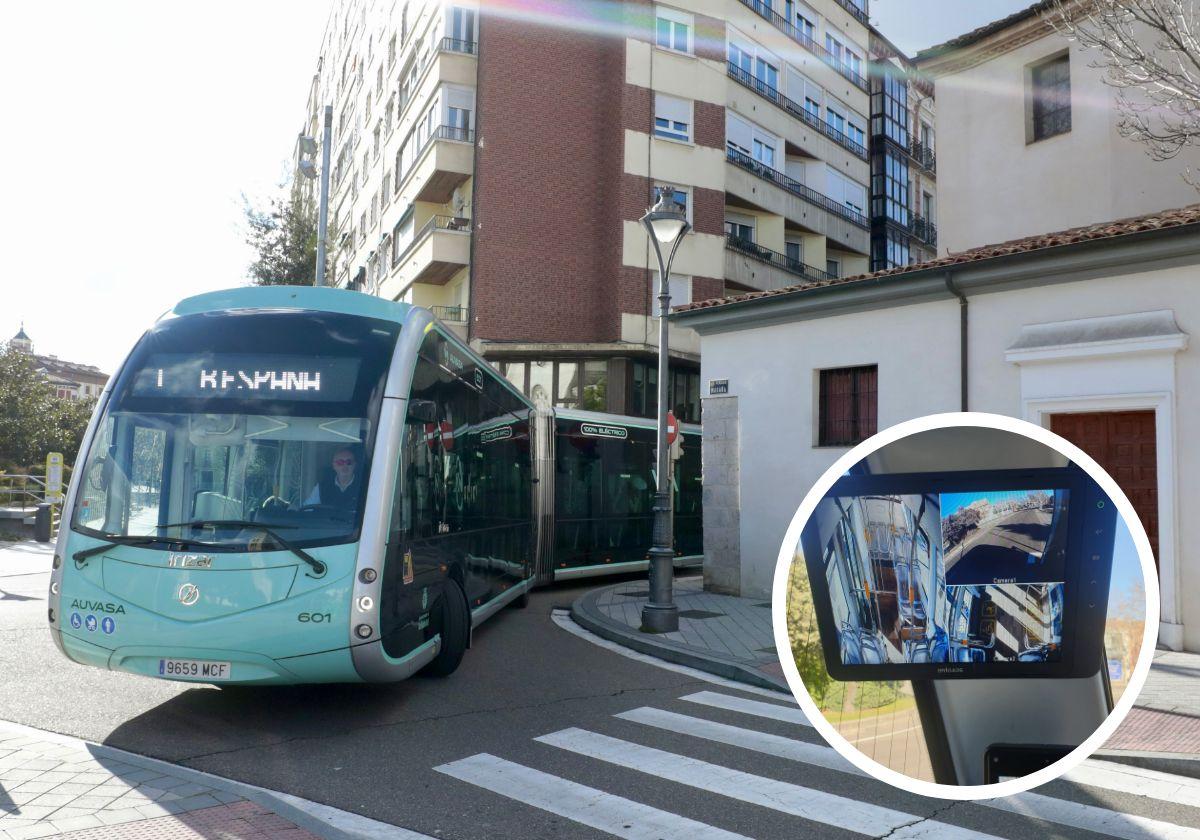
[{"x": 456, "y": 629}]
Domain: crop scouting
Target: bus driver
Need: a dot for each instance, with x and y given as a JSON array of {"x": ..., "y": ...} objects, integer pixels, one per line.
[{"x": 340, "y": 489}]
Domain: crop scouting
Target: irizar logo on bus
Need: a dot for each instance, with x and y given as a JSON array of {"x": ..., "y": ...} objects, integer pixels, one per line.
[
  {"x": 97, "y": 606},
  {"x": 259, "y": 380}
]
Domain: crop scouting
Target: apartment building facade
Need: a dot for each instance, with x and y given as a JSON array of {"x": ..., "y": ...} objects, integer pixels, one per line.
[
  {"x": 493, "y": 166},
  {"x": 903, "y": 160}
]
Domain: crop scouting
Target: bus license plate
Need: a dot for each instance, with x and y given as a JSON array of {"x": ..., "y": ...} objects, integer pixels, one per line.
[{"x": 198, "y": 669}]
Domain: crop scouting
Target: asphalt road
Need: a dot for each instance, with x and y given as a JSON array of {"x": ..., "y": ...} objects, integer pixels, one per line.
[
  {"x": 1000, "y": 550},
  {"x": 373, "y": 750}
]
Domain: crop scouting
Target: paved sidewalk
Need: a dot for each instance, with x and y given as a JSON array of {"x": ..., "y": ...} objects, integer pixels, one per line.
[
  {"x": 732, "y": 637},
  {"x": 51, "y": 786}
]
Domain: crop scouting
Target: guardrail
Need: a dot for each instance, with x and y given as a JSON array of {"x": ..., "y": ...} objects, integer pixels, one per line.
[
  {"x": 923, "y": 229},
  {"x": 459, "y": 46},
  {"x": 793, "y": 186},
  {"x": 780, "y": 261},
  {"x": 923, "y": 156},
  {"x": 451, "y": 314},
  {"x": 794, "y": 108}
]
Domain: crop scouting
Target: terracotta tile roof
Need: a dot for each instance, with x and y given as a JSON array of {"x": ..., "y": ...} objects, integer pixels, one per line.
[
  {"x": 968, "y": 38},
  {"x": 1179, "y": 217}
]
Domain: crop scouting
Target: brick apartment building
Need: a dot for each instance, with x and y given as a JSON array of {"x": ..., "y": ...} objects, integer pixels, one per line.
[{"x": 493, "y": 167}]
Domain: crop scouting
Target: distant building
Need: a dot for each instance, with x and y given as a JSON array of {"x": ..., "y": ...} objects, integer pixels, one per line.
[
  {"x": 70, "y": 380},
  {"x": 492, "y": 166},
  {"x": 1028, "y": 138}
]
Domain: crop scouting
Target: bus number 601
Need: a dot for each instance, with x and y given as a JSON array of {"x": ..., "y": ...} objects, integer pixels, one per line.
[{"x": 314, "y": 618}]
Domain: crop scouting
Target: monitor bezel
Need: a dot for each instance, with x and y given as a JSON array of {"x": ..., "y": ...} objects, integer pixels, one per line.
[{"x": 1090, "y": 521}]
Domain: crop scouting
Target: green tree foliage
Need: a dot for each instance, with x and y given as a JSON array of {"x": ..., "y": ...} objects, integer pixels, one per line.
[
  {"x": 33, "y": 421},
  {"x": 284, "y": 237}
]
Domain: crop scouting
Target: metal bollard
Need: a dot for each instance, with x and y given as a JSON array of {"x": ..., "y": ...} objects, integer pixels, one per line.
[{"x": 42, "y": 523}]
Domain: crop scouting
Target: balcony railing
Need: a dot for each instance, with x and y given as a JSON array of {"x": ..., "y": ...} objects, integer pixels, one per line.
[
  {"x": 459, "y": 46},
  {"x": 764, "y": 90},
  {"x": 788, "y": 28},
  {"x": 781, "y": 261},
  {"x": 923, "y": 156},
  {"x": 460, "y": 223},
  {"x": 793, "y": 186},
  {"x": 859, "y": 14},
  {"x": 923, "y": 229},
  {"x": 450, "y": 314}
]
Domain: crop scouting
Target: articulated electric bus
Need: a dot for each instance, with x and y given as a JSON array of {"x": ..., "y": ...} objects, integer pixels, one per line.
[{"x": 300, "y": 485}]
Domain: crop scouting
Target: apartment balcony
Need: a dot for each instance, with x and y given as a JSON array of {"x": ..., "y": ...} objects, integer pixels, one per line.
[
  {"x": 923, "y": 156},
  {"x": 793, "y": 108},
  {"x": 923, "y": 229},
  {"x": 446, "y": 160},
  {"x": 764, "y": 11},
  {"x": 755, "y": 267},
  {"x": 438, "y": 251},
  {"x": 454, "y": 317},
  {"x": 775, "y": 192},
  {"x": 858, "y": 14}
]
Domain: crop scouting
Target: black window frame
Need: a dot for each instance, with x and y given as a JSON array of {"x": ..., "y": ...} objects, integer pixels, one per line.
[{"x": 1050, "y": 90}]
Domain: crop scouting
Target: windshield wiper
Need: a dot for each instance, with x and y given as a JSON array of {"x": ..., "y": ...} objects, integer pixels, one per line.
[
  {"x": 317, "y": 566},
  {"x": 114, "y": 540}
]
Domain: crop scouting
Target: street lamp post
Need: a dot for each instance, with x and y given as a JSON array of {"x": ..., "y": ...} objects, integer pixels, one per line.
[
  {"x": 666, "y": 224},
  {"x": 308, "y": 147}
]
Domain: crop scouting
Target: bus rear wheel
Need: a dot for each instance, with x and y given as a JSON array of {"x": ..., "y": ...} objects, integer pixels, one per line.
[{"x": 456, "y": 629}]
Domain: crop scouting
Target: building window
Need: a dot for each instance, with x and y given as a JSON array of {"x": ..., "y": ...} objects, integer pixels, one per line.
[
  {"x": 740, "y": 227},
  {"x": 673, "y": 30},
  {"x": 1051, "y": 84},
  {"x": 848, "y": 406},
  {"x": 574, "y": 383},
  {"x": 833, "y": 268},
  {"x": 683, "y": 392},
  {"x": 672, "y": 117}
]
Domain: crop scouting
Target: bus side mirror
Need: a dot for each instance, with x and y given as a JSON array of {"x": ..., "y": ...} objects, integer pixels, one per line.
[{"x": 424, "y": 411}]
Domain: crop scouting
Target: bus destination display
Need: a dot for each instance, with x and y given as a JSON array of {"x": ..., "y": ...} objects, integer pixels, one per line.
[
  {"x": 948, "y": 578},
  {"x": 247, "y": 376}
]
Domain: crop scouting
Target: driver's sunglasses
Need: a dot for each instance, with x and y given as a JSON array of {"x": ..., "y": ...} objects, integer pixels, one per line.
[{"x": 343, "y": 462}]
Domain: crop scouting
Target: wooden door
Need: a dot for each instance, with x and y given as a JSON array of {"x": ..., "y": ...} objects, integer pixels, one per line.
[{"x": 1123, "y": 442}]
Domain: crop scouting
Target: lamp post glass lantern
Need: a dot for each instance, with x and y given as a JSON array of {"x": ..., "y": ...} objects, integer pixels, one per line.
[{"x": 666, "y": 223}]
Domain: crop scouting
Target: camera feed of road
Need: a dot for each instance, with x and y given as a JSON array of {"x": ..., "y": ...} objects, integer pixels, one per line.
[{"x": 948, "y": 578}]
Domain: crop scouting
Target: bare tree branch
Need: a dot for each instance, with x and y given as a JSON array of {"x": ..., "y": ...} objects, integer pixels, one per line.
[{"x": 1149, "y": 50}]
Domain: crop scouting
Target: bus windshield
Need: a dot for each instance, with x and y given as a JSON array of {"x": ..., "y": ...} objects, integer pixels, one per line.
[{"x": 221, "y": 422}]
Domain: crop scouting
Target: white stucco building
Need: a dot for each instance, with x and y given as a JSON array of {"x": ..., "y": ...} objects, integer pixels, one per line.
[{"x": 1085, "y": 332}]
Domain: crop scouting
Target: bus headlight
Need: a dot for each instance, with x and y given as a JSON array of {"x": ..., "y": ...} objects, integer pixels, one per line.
[
  {"x": 365, "y": 603},
  {"x": 367, "y": 575},
  {"x": 363, "y": 631},
  {"x": 54, "y": 587}
]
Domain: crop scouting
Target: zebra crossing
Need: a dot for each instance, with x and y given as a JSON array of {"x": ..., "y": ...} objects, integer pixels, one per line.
[{"x": 653, "y": 746}]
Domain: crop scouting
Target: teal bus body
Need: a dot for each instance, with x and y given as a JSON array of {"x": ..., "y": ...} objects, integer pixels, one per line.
[{"x": 196, "y": 544}]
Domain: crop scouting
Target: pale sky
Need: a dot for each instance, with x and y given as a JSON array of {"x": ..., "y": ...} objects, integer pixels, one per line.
[{"x": 133, "y": 128}]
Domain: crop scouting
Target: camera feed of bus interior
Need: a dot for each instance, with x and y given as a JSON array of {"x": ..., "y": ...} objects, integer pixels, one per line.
[{"x": 947, "y": 579}]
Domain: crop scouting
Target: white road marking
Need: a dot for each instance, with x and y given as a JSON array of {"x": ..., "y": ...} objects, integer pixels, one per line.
[
  {"x": 563, "y": 619},
  {"x": 1091, "y": 818},
  {"x": 750, "y": 739},
  {"x": 787, "y": 798},
  {"x": 774, "y": 711},
  {"x": 1125, "y": 779},
  {"x": 582, "y": 804}
]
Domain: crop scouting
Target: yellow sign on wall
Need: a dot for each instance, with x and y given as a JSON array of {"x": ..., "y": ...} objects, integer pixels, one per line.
[{"x": 54, "y": 478}]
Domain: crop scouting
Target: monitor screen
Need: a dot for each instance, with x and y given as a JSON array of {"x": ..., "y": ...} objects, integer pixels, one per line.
[{"x": 952, "y": 577}]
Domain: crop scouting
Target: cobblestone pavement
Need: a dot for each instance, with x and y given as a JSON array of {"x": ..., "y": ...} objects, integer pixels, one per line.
[{"x": 56, "y": 787}]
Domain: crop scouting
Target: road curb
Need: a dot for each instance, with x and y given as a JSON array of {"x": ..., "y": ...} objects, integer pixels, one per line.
[
  {"x": 586, "y": 614},
  {"x": 322, "y": 820},
  {"x": 1177, "y": 764}
]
